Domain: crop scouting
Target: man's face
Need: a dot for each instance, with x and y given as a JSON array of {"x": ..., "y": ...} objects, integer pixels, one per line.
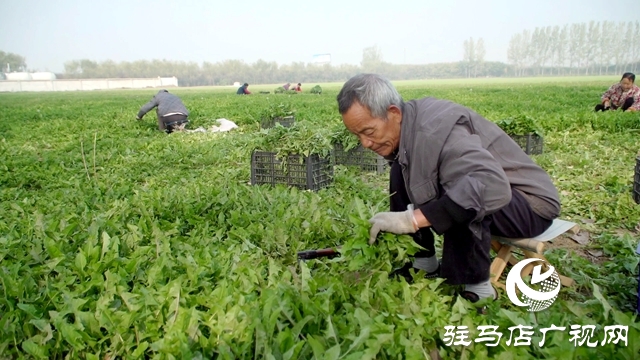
[
  {"x": 380, "y": 135},
  {"x": 626, "y": 84}
]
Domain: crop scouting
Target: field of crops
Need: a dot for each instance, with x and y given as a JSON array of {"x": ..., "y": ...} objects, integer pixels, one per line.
[{"x": 119, "y": 241}]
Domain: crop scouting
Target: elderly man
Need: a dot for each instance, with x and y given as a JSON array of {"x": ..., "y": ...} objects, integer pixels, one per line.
[
  {"x": 452, "y": 172},
  {"x": 172, "y": 114}
]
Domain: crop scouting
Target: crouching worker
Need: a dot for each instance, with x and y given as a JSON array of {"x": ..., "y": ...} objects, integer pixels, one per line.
[
  {"x": 453, "y": 172},
  {"x": 171, "y": 112},
  {"x": 623, "y": 95}
]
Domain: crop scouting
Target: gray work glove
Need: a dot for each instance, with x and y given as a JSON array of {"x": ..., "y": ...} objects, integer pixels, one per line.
[{"x": 396, "y": 222}]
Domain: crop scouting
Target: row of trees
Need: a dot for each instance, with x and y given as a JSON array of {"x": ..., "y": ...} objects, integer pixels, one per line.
[
  {"x": 584, "y": 48},
  {"x": 265, "y": 72}
]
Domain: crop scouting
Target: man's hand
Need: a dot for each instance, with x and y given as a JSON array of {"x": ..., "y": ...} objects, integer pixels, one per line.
[{"x": 397, "y": 222}]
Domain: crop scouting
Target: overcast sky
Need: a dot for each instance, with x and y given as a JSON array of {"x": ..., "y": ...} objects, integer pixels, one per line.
[{"x": 50, "y": 32}]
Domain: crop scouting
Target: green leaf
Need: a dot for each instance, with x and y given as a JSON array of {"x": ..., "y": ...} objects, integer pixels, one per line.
[
  {"x": 140, "y": 349},
  {"x": 333, "y": 353},
  {"x": 362, "y": 337},
  {"x": 38, "y": 351},
  {"x": 316, "y": 346},
  {"x": 605, "y": 304},
  {"x": 81, "y": 261},
  {"x": 106, "y": 241}
]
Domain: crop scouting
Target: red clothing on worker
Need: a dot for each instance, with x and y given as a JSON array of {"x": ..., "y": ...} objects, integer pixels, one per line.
[{"x": 617, "y": 96}]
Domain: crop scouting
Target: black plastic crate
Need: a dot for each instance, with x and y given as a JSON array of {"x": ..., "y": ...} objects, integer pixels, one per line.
[
  {"x": 636, "y": 182},
  {"x": 304, "y": 172},
  {"x": 531, "y": 144},
  {"x": 366, "y": 159},
  {"x": 286, "y": 121}
]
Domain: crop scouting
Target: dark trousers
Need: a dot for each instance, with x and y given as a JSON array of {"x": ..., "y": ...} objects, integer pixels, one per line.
[
  {"x": 465, "y": 256},
  {"x": 166, "y": 123},
  {"x": 627, "y": 104}
]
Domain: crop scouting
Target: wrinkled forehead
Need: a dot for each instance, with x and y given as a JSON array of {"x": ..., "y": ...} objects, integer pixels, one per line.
[{"x": 358, "y": 118}]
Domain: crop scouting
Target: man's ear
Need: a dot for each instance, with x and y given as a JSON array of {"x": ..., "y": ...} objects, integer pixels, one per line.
[{"x": 394, "y": 113}]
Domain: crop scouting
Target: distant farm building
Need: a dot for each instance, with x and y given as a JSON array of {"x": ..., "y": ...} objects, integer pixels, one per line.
[
  {"x": 47, "y": 81},
  {"x": 24, "y": 76}
]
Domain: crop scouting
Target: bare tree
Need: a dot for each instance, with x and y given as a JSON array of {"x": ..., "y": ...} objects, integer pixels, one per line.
[
  {"x": 604, "y": 44},
  {"x": 519, "y": 52},
  {"x": 554, "y": 34},
  {"x": 590, "y": 45},
  {"x": 561, "y": 48},
  {"x": 469, "y": 56},
  {"x": 546, "y": 45},
  {"x": 513, "y": 53},
  {"x": 371, "y": 58},
  {"x": 480, "y": 53},
  {"x": 527, "y": 51},
  {"x": 629, "y": 46},
  {"x": 619, "y": 47},
  {"x": 574, "y": 46}
]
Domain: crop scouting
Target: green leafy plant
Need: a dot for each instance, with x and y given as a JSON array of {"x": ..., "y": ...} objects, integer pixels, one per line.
[
  {"x": 277, "y": 111},
  {"x": 316, "y": 89},
  {"x": 125, "y": 242},
  {"x": 303, "y": 138},
  {"x": 340, "y": 135},
  {"x": 520, "y": 125}
]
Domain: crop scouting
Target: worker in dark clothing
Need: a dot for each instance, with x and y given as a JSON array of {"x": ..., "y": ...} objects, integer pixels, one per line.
[
  {"x": 171, "y": 112},
  {"x": 243, "y": 90},
  {"x": 454, "y": 173}
]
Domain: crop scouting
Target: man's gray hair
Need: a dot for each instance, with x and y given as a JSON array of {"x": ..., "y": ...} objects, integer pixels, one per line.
[{"x": 372, "y": 91}]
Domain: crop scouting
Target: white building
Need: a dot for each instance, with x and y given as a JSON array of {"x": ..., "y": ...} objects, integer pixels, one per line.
[
  {"x": 20, "y": 76},
  {"x": 24, "y": 76},
  {"x": 43, "y": 76}
]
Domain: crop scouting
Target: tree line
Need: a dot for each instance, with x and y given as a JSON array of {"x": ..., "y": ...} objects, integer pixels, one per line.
[
  {"x": 268, "y": 72},
  {"x": 594, "y": 48}
]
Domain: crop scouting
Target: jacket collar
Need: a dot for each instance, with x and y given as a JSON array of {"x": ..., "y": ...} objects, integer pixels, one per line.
[{"x": 408, "y": 120}]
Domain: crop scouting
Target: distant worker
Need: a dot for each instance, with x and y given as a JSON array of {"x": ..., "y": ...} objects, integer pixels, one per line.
[
  {"x": 623, "y": 95},
  {"x": 286, "y": 86},
  {"x": 171, "y": 112},
  {"x": 243, "y": 90},
  {"x": 298, "y": 88}
]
